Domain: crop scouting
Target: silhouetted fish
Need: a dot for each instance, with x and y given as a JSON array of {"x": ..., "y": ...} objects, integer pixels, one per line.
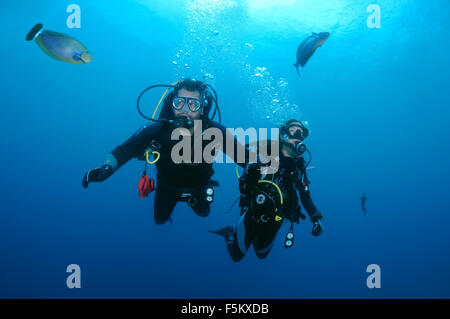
[
  {"x": 308, "y": 46},
  {"x": 59, "y": 46},
  {"x": 363, "y": 203}
]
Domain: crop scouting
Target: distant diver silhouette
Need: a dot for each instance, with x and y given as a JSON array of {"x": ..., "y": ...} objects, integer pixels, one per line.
[{"x": 363, "y": 203}]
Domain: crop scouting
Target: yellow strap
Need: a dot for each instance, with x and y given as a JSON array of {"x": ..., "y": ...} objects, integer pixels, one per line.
[
  {"x": 265, "y": 181},
  {"x": 160, "y": 100},
  {"x": 157, "y": 157}
]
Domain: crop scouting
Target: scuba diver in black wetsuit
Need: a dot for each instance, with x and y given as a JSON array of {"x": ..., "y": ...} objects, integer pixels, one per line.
[
  {"x": 189, "y": 101},
  {"x": 267, "y": 199}
]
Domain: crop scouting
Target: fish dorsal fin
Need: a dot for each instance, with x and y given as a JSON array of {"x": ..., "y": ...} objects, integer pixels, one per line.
[{"x": 56, "y": 34}]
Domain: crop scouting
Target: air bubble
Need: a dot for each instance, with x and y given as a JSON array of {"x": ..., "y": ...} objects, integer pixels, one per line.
[{"x": 208, "y": 76}]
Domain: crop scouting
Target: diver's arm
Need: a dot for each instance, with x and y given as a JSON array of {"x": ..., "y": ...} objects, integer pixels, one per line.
[
  {"x": 133, "y": 147},
  {"x": 302, "y": 185},
  {"x": 249, "y": 178},
  {"x": 247, "y": 182},
  {"x": 238, "y": 148},
  {"x": 305, "y": 197}
]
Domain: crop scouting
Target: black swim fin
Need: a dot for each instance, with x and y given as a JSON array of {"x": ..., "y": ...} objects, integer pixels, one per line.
[
  {"x": 296, "y": 67},
  {"x": 227, "y": 233}
]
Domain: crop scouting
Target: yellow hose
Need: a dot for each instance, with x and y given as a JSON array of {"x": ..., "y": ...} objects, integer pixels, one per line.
[
  {"x": 160, "y": 100},
  {"x": 157, "y": 157},
  {"x": 276, "y": 186},
  {"x": 265, "y": 181},
  {"x": 237, "y": 173}
]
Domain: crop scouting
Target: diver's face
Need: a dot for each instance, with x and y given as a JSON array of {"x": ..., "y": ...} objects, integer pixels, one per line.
[
  {"x": 294, "y": 134},
  {"x": 185, "y": 110},
  {"x": 293, "y": 130},
  {"x": 291, "y": 139}
]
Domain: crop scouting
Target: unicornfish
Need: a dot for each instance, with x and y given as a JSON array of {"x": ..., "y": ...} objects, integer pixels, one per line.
[
  {"x": 308, "y": 46},
  {"x": 59, "y": 46}
]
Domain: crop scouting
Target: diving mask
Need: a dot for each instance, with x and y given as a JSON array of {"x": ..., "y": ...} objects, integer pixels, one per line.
[
  {"x": 295, "y": 131},
  {"x": 193, "y": 104}
]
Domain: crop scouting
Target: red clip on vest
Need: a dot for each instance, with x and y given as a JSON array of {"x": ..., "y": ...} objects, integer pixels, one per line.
[{"x": 146, "y": 186}]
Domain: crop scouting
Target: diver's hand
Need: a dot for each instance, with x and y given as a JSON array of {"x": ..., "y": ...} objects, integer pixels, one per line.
[
  {"x": 98, "y": 174},
  {"x": 317, "y": 228}
]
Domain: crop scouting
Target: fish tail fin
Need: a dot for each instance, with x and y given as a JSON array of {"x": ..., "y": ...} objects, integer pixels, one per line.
[
  {"x": 34, "y": 32},
  {"x": 296, "y": 68}
]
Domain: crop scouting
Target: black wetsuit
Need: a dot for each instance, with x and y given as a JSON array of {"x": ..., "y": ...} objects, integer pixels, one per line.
[
  {"x": 262, "y": 213},
  {"x": 175, "y": 181}
]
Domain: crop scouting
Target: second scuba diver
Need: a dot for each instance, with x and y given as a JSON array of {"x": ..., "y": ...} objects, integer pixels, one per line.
[
  {"x": 267, "y": 199},
  {"x": 190, "y": 100}
]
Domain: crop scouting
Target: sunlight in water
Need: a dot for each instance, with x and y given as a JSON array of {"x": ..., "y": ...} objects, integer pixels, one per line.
[
  {"x": 210, "y": 6},
  {"x": 296, "y": 15},
  {"x": 199, "y": 6},
  {"x": 291, "y": 16}
]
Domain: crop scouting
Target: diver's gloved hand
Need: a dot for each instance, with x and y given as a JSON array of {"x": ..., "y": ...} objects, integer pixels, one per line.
[
  {"x": 317, "y": 226},
  {"x": 98, "y": 174}
]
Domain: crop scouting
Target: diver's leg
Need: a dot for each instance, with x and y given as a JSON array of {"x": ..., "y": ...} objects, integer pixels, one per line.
[
  {"x": 198, "y": 202},
  {"x": 165, "y": 201},
  {"x": 201, "y": 207},
  {"x": 243, "y": 237},
  {"x": 265, "y": 237}
]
